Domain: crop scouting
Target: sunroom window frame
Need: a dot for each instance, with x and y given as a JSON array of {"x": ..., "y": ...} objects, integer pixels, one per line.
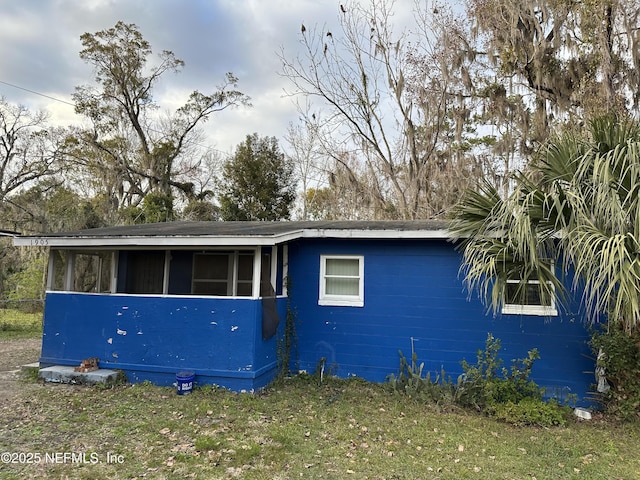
[
  {"x": 270, "y": 254},
  {"x": 232, "y": 281}
]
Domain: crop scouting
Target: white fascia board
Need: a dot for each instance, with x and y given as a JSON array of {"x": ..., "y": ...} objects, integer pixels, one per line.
[
  {"x": 222, "y": 241},
  {"x": 155, "y": 241},
  {"x": 376, "y": 234}
]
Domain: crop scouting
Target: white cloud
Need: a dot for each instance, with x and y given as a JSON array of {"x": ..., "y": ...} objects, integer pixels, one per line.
[{"x": 40, "y": 41}]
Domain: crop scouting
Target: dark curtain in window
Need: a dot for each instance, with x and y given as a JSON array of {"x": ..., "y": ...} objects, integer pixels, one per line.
[{"x": 145, "y": 271}]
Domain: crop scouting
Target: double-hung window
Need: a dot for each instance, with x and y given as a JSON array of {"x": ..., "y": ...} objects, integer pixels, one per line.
[
  {"x": 341, "y": 280},
  {"x": 531, "y": 303}
]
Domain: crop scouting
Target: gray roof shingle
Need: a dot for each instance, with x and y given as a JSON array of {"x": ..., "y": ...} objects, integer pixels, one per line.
[{"x": 270, "y": 232}]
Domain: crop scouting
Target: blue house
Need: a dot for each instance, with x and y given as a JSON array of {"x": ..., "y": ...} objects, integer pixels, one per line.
[{"x": 212, "y": 297}]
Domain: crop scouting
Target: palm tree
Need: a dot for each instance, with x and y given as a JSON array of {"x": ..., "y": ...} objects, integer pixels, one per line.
[{"x": 577, "y": 205}]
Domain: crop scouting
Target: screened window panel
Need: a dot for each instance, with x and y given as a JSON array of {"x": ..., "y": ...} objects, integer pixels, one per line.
[
  {"x": 210, "y": 288},
  {"x": 145, "y": 272},
  {"x": 244, "y": 289},
  {"x": 211, "y": 266},
  {"x": 60, "y": 258},
  {"x": 214, "y": 274},
  {"x": 86, "y": 274},
  {"x": 211, "y": 274},
  {"x": 244, "y": 285},
  {"x": 266, "y": 289},
  {"x": 245, "y": 267},
  {"x": 91, "y": 271},
  {"x": 105, "y": 273}
]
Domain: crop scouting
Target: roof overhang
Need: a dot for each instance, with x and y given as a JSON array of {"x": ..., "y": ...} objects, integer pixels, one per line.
[
  {"x": 129, "y": 239},
  {"x": 145, "y": 241}
]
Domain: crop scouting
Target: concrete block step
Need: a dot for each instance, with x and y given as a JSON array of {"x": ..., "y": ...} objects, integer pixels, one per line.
[{"x": 65, "y": 374}]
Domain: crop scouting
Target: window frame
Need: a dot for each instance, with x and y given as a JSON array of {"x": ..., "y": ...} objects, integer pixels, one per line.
[
  {"x": 226, "y": 282},
  {"x": 268, "y": 265},
  {"x": 325, "y": 299},
  {"x": 232, "y": 281},
  {"x": 62, "y": 275},
  {"x": 523, "y": 309}
]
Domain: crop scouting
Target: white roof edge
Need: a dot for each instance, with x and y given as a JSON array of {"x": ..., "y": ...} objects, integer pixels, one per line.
[
  {"x": 170, "y": 241},
  {"x": 231, "y": 240},
  {"x": 373, "y": 234}
]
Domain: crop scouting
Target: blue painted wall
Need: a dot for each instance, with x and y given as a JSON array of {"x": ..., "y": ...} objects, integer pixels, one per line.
[
  {"x": 154, "y": 337},
  {"x": 413, "y": 296},
  {"x": 413, "y": 291}
]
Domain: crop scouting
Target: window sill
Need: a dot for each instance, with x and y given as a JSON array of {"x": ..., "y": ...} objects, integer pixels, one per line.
[
  {"x": 340, "y": 302},
  {"x": 534, "y": 310}
]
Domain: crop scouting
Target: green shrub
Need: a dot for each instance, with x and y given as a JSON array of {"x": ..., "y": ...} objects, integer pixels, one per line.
[
  {"x": 504, "y": 393},
  {"x": 488, "y": 383},
  {"x": 531, "y": 411},
  {"x": 410, "y": 381},
  {"x": 618, "y": 354}
]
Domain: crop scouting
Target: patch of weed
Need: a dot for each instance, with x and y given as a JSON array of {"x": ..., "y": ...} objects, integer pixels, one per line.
[{"x": 15, "y": 324}]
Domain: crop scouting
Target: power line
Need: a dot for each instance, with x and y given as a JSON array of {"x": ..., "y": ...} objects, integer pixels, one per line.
[
  {"x": 36, "y": 93},
  {"x": 206, "y": 147}
]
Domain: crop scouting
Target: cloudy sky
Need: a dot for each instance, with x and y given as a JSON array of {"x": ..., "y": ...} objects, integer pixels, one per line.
[{"x": 40, "y": 41}]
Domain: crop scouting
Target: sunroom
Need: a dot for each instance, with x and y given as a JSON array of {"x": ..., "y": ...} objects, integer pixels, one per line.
[
  {"x": 153, "y": 302},
  {"x": 220, "y": 272}
]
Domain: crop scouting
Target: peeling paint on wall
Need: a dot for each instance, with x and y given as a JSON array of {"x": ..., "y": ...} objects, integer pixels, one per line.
[{"x": 164, "y": 338}]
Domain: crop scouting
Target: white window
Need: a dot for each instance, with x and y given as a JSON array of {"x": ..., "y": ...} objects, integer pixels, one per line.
[
  {"x": 533, "y": 303},
  {"x": 341, "y": 280}
]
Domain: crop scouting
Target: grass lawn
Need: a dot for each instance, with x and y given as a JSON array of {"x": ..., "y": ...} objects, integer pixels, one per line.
[
  {"x": 295, "y": 429},
  {"x": 15, "y": 324}
]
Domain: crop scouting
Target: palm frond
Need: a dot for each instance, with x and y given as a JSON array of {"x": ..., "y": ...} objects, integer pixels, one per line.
[{"x": 579, "y": 204}]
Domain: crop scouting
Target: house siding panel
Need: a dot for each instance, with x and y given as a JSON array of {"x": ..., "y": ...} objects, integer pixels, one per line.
[
  {"x": 154, "y": 337},
  {"x": 415, "y": 297}
]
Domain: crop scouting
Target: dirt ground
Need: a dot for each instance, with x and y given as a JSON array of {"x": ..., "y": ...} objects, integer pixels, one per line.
[{"x": 14, "y": 354}]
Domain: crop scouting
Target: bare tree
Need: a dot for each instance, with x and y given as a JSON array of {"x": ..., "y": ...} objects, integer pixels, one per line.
[
  {"x": 343, "y": 196},
  {"x": 568, "y": 60},
  {"x": 126, "y": 139},
  {"x": 28, "y": 148},
  {"x": 394, "y": 101},
  {"x": 307, "y": 159}
]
